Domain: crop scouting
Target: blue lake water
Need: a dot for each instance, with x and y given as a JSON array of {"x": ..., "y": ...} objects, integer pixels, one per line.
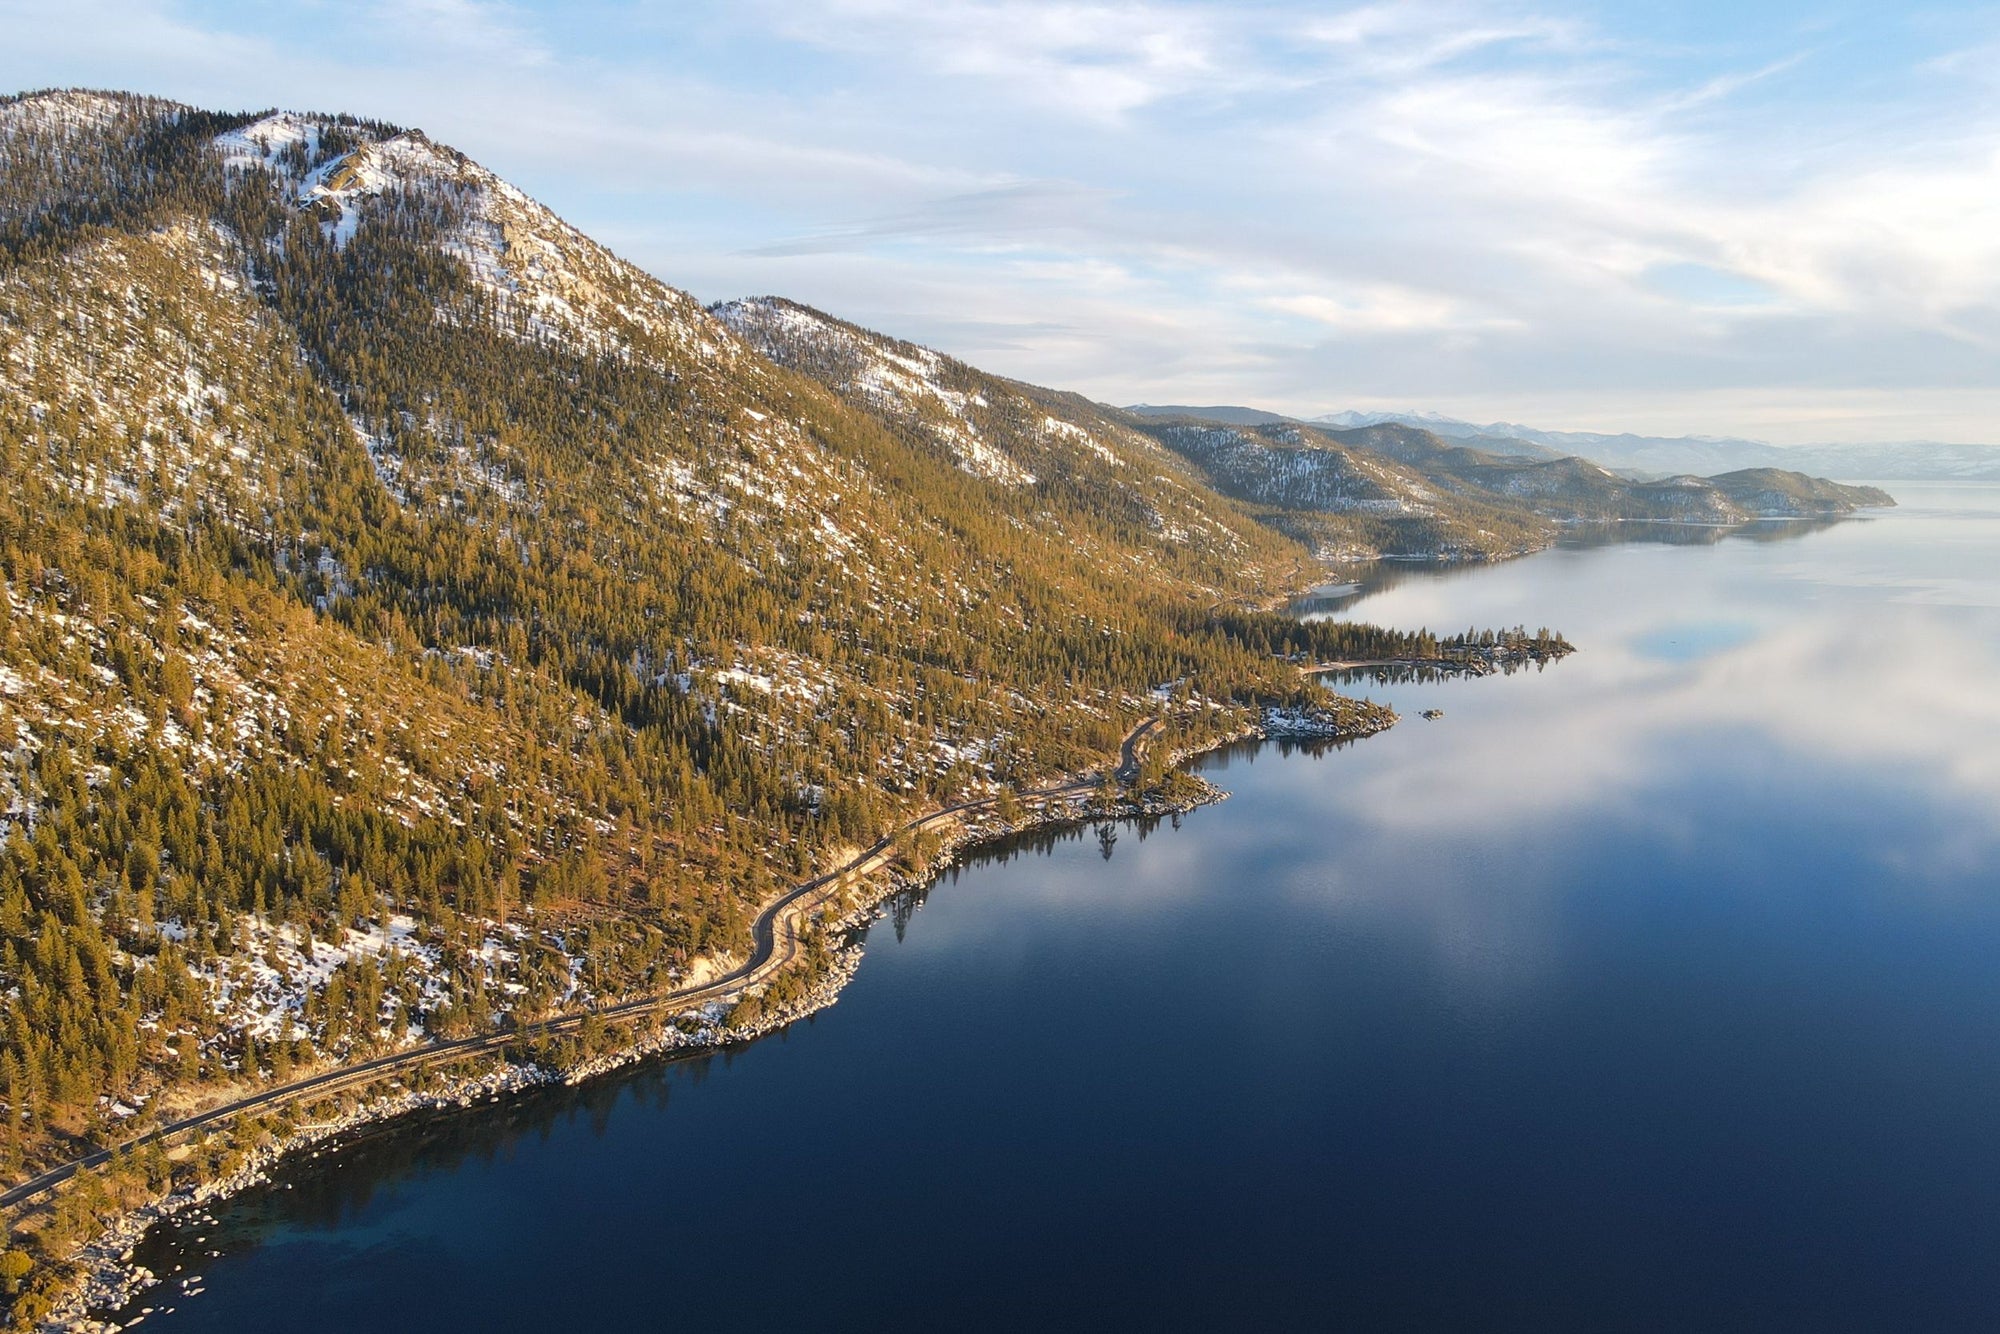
[{"x": 1656, "y": 990}]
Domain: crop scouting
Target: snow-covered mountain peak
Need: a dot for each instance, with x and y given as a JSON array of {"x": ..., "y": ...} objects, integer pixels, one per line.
[
  {"x": 546, "y": 279},
  {"x": 66, "y": 108}
]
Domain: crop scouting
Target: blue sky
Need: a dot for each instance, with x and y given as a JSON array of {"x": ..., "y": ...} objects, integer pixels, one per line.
[{"x": 1773, "y": 219}]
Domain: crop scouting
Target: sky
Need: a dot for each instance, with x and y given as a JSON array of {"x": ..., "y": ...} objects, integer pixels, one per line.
[{"x": 1772, "y": 219}]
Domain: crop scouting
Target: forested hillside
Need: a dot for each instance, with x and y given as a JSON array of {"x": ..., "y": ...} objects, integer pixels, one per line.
[
  {"x": 1074, "y": 453},
  {"x": 415, "y": 615},
  {"x": 1340, "y": 505}
]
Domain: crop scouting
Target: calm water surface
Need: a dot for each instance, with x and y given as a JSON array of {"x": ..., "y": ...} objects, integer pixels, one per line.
[{"x": 1659, "y": 990}]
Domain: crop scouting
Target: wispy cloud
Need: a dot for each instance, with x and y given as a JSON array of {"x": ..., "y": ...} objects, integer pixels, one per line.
[
  {"x": 1383, "y": 307},
  {"x": 1007, "y": 214},
  {"x": 1099, "y": 61},
  {"x": 478, "y": 31},
  {"x": 1399, "y": 40}
]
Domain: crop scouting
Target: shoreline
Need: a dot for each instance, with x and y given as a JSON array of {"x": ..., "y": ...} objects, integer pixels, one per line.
[
  {"x": 107, "y": 1277},
  {"x": 1483, "y": 661}
]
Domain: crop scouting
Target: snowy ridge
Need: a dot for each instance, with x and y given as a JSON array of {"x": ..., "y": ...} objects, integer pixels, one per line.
[
  {"x": 546, "y": 279},
  {"x": 598, "y": 633},
  {"x": 263, "y": 144},
  {"x": 65, "y": 109},
  {"x": 1001, "y": 430},
  {"x": 900, "y": 379}
]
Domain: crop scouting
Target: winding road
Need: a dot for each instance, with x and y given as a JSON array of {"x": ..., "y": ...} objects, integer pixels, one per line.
[{"x": 775, "y": 941}]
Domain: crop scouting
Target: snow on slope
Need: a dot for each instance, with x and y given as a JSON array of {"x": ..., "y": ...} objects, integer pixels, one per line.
[
  {"x": 547, "y": 279},
  {"x": 137, "y": 386},
  {"x": 67, "y": 109},
  {"x": 1076, "y": 435},
  {"x": 1283, "y": 469},
  {"x": 901, "y": 380},
  {"x": 1014, "y": 434},
  {"x": 264, "y": 143}
]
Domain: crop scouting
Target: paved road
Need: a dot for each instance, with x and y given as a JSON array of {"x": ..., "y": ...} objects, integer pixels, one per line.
[{"x": 774, "y": 945}]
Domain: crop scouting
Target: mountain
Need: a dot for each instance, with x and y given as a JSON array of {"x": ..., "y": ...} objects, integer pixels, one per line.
[
  {"x": 1496, "y": 439},
  {"x": 1658, "y": 455},
  {"x": 1066, "y": 451},
  {"x": 1348, "y": 502},
  {"x": 1403, "y": 490},
  {"x": 1575, "y": 490},
  {"x": 1636, "y": 453},
  {"x": 419, "y": 618},
  {"x": 1347, "y": 496}
]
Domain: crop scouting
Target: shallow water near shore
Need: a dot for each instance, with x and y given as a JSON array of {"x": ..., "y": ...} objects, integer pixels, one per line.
[{"x": 1656, "y": 989}]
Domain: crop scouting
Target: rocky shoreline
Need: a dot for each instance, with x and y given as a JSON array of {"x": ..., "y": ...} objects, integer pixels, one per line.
[{"x": 109, "y": 1278}]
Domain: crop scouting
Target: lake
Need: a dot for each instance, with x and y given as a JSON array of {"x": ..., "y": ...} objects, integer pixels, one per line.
[{"x": 1659, "y": 989}]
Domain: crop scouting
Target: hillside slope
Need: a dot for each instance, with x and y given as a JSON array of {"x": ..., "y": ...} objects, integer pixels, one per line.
[
  {"x": 418, "y": 617},
  {"x": 1072, "y": 458},
  {"x": 1345, "y": 495}
]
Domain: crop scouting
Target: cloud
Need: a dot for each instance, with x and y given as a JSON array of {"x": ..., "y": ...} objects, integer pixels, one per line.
[
  {"x": 1705, "y": 284},
  {"x": 116, "y": 43},
  {"x": 1931, "y": 725},
  {"x": 1399, "y": 40},
  {"x": 1497, "y": 207},
  {"x": 1007, "y": 214},
  {"x": 1099, "y": 61},
  {"x": 473, "y": 30},
  {"x": 1381, "y": 307}
]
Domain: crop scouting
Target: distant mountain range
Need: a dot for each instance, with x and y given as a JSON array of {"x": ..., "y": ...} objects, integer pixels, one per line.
[
  {"x": 1393, "y": 487},
  {"x": 1656, "y": 456}
]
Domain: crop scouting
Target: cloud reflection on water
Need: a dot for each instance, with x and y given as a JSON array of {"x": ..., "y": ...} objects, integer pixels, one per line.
[
  {"x": 1835, "y": 699},
  {"x": 1790, "y": 685},
  {"x": 1884, "y": 662}
]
